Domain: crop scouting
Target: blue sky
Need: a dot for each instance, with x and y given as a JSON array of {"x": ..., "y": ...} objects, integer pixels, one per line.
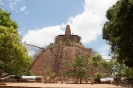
[{"x": 41, "y": 20}]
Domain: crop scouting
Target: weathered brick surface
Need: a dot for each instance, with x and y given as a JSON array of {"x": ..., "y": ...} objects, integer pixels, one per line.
[
  {"x": 68, "y": 31},
  {"x": 55, "y": 58},
  {"x": 64, "y": 38}
]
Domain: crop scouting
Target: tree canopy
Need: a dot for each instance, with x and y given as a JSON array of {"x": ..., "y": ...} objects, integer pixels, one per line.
[
  {"x": 79, "y": 66},
  {"x": 85, "y": 66},
  {"x": 13, "y": 55},
  {"x": 118, "y": 31}
]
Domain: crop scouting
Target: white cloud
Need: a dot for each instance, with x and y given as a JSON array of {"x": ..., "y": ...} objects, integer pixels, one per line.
[
  {"x": 43, "y": 37},
  {"x": 104, "y": 51},
  {"x": 31, "y": 53},
  {"x": 13, "y": 3},
  {"x": 18, "y": 0},
  {"x": 87, "y": 24},
  {"x": 23, "y": 8}
]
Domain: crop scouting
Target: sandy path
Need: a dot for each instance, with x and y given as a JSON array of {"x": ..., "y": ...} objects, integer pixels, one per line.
[{"x": 63, "y": 85}]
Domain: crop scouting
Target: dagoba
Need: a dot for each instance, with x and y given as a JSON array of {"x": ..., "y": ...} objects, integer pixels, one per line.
[{"x": 55, "y": 55}]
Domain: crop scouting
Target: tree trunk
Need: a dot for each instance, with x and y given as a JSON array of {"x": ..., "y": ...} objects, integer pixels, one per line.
[
  {"x": 77, "y": 75},
  {"x": 1, "y": 71},
  {"x": 86, "y": 77},
  {"x": 92, "y": 80},
  {"x": 61, "y": 78},
  {"x": 92, "y": 76},
  {"x": 80, "y": 80},
  {"x": 44, "y": 74}
]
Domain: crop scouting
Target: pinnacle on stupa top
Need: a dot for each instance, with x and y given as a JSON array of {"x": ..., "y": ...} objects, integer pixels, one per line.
[{"x": 68, "y": 30}]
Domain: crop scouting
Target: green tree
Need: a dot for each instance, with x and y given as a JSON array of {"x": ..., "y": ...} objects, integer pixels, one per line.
[
  {"x": 118, "y": 31},
  {"x": 94, "y": 62},
  {"x": 128, "y": 72},
  {"x": 114, "y": 68},
  {"x": 79, "y": 67},
  {"x": 13, "y": 55},
  {"x": 109, "y": 66}
]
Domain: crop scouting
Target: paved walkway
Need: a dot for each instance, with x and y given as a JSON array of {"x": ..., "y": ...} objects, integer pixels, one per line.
[{"x": 42, "y": 85}]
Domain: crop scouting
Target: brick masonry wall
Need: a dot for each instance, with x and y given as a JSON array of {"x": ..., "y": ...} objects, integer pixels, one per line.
[
  {"x": 63, "y": 38},
  {"x": 55, "y": 58}
]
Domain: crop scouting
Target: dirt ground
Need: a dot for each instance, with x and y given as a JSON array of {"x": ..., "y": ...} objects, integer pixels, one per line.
[{"x": 42, "y": 85}]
